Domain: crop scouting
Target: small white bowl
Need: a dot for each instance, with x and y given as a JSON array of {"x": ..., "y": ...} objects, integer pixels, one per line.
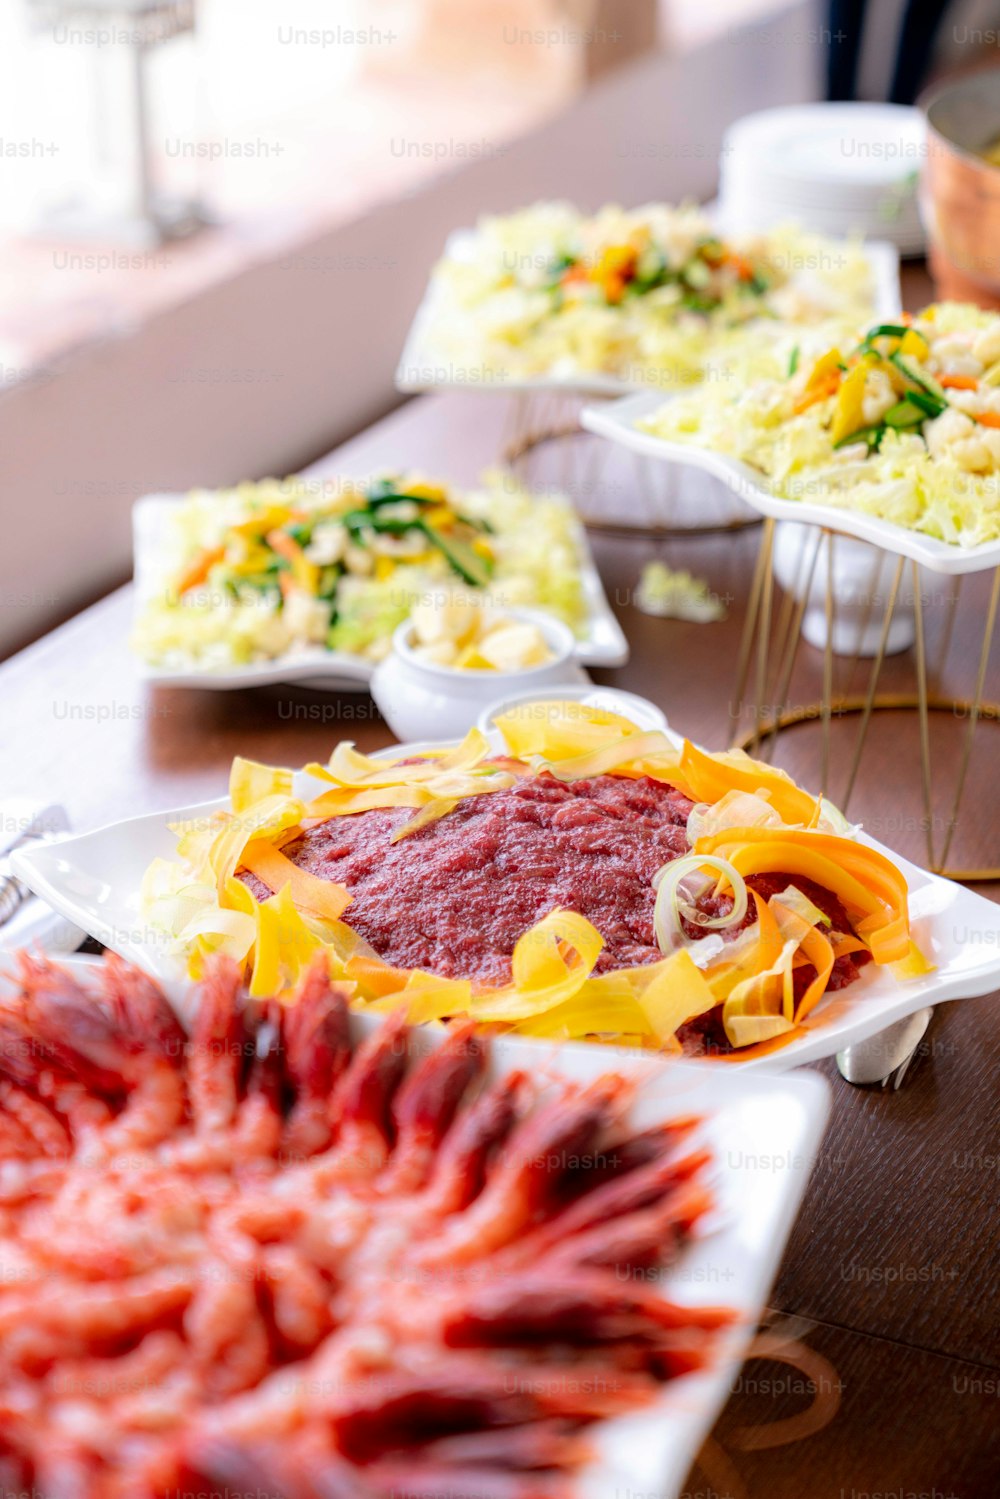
[
  {"x": 638, "y": 710},
  {"x": 862, "y": 585},
  {"x": 420, "y": 700}
]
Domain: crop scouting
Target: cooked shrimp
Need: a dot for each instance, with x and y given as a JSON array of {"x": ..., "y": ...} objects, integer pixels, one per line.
[
  {"x": 427, "y": 1103},
  {"x": 259, "y": 1259},
  {"x": 217, "y": 1051},
  {"x": 317, "y": 1051},
  {"x": 535, "y": 1162}
]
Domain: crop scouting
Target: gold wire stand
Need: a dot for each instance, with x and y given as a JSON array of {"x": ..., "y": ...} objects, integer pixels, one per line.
[
  {"x": 756, "y": 653},
  {"x": 540, "y": 419}
]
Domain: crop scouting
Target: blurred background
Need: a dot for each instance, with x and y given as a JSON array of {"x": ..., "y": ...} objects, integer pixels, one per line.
[{"x": 217, "y": 218}]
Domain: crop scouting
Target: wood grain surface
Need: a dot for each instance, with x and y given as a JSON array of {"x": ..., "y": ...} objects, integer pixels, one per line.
[{"x": 891, "y": 1272}]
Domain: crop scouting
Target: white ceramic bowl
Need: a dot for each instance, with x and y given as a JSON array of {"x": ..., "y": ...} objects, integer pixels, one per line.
[
  {"x": 862, "y": 584},
  {"x": 638, "y": 710},
  {"x": 419, "y": 700}
]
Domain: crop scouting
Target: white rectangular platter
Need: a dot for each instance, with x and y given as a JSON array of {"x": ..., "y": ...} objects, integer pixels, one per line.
[
  {"x": 616, "y": 421},
  {"x": 601, "y": 643},
  {"x": 420, "y": 368},
  {"x": 94, "y": 879},
  {"x": 764, "y": 1134}
]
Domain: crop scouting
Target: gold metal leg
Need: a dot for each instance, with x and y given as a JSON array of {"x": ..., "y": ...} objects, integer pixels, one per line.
[
  {"x": 827, "y": 669},
  {"x": 925, "y": 732},
  {"x": 946, "y": 634},
  {"x": 761, "y": 566},
  {"x": 866, "y": 619},
  {"x": 873, "y": 682},
  {"x": 790, "y": 644},
  {"x": 764, "y": 633},
  {"x": 984, "y": 657},
  {"x": 790, "y": 600},
  {"x": 769, "y": 723}
]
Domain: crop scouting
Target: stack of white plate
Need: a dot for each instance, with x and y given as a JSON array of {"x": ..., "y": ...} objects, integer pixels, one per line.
[{"x": 838, "y": 169}]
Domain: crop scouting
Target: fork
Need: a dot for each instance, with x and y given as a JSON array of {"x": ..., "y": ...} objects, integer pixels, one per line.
[{"x": 884, "y": 1058}]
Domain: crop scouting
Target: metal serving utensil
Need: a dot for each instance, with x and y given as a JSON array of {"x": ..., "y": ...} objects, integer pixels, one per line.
[
  {"x": 21, "y": 823},
  {"x": 885, "y": 1057}
]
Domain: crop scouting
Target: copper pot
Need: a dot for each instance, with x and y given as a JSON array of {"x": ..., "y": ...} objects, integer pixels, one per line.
[{"x": 960, "y": 191}]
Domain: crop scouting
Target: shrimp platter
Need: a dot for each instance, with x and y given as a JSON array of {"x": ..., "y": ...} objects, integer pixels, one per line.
[{"x": 263, "y": 1258}]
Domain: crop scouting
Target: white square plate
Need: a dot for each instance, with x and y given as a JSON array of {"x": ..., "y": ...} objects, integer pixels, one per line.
[
  {"x": 617, "y": 422},
  {"x": 420, "y": 368},
  {"x": 764, "y": 1134},
  {"x": 602, "y": 642},
  {"x": 94, "y": 879}
]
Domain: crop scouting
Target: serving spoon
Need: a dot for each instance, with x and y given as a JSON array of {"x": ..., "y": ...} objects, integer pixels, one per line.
[{"x": 885, "y": 1057}]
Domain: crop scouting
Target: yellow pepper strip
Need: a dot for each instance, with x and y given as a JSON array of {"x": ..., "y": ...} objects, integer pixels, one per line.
[
  {"x": 284, "y": 947},
  {"x": 745, "y": 1031},
  {"x": 913, "y": 966},
  {"x": 250, "y": 782},
  {"x": 707, "y": 778},
  {"x": 239, "y": 897},
  {"x": 763, "y": 1048},
  {"x": 678, "y": 992},
  {"x": 320, "y": 897},
  {"x": 434, "y": 798},
  {"x": 559, "y": 730},
  {"x": 438, "y": 807},
  {"x": 265, "y": 520},
  {"x": 604, "y": 1006},
  {"x": 767, "y": 996},
  {"x": 215, "y": 930},
  {"x": 549, "y": 964},
  {"x": 268, "y": 817},
  {"x": 826, "y": 366},
  {"x": 426, "y": 491},
  {"x": 425, "y": 998},
  {"x": 620, "y": 756},
  {"x": 816, "y": 947},
  {"x": 349, "y": 768},
  {"x": 865, "y": 880},
  {"x": 848, "y": 414},
  {"x": 194, "y": 842},
  {"x": 341, "y": 803},
  {"x": 913, "y": 345}
]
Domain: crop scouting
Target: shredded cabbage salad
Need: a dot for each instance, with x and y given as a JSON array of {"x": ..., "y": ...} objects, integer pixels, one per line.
[
  {"x": 902, "y": 424},
  {"x": 286, "y": 566},
  {"x": 749, "y": 818},
  {"x": 651, "y": 295}
]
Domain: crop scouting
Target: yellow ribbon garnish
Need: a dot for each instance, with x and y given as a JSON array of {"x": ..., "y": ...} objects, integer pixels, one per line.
[{"x": 554, "y": 992}]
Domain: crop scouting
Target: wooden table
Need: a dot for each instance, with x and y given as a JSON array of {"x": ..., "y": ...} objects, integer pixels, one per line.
[{"x": 891, "y": 1273}]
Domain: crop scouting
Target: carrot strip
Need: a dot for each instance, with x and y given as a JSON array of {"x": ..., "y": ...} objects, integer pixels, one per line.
[
  {"x": 709, "y": 777},
  {"x": 198, "y": 570},
  {"x": 759, "y": 1048},
  {"x": 861, "y": 877},
  {"x": 959, "y": 382},
  {"x": 321, "y": 897},
  {"x": 741, "y": 265},
  {"x": 821, "y": 392}
]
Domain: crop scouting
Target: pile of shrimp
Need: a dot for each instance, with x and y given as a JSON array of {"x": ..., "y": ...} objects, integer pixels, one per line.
[{"x": 260, "y": 1259}]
